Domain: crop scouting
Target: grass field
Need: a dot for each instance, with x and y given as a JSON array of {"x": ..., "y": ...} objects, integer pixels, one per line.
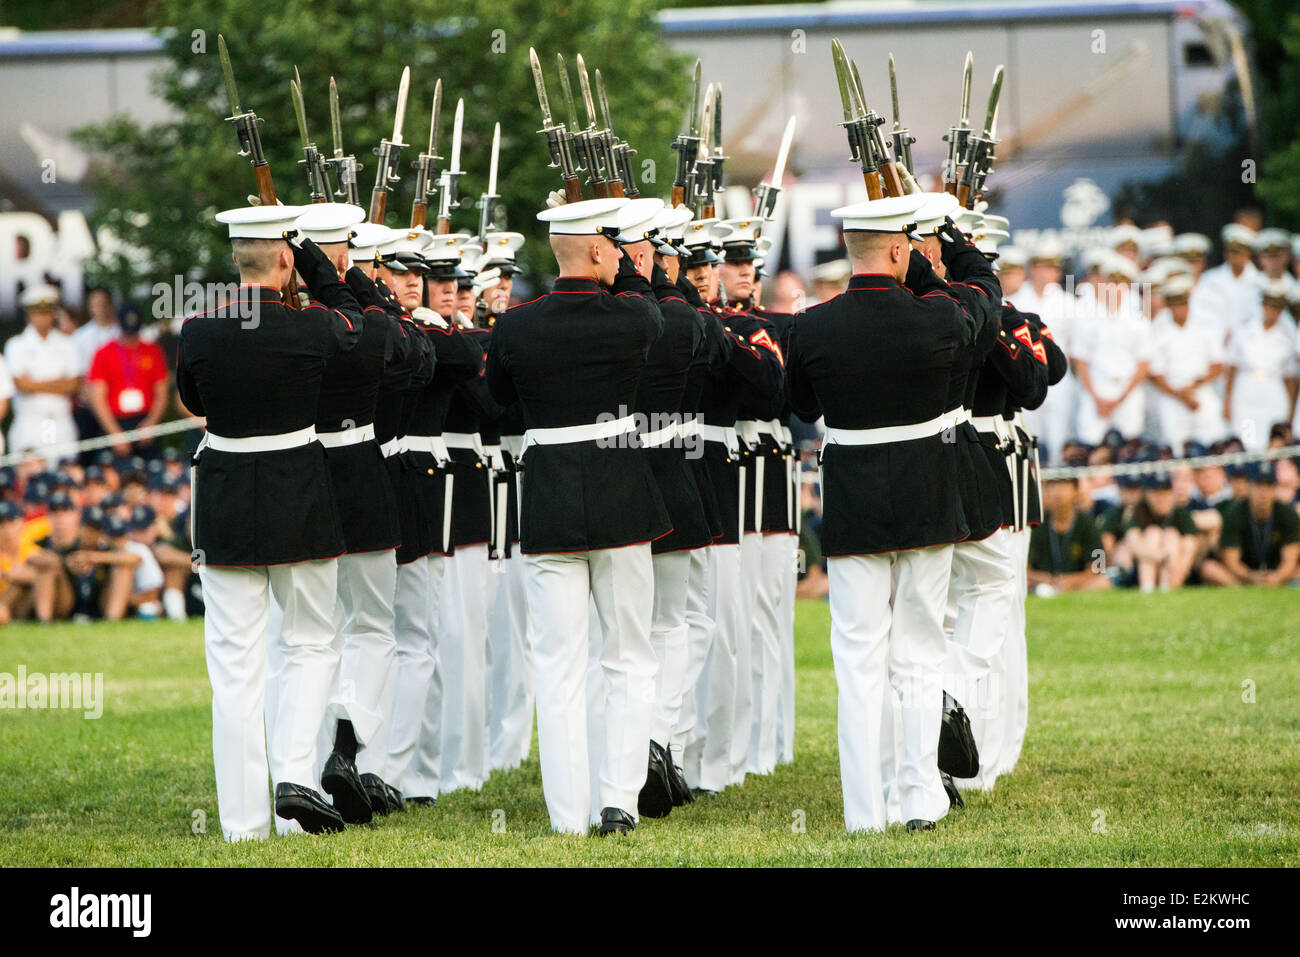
[{"x": 1143, "y": 750}]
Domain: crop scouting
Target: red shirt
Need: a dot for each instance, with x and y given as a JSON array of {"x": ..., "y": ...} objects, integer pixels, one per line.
[{"x": 131, "y": 373}]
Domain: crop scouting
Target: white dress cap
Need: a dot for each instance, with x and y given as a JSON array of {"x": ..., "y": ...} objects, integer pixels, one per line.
[
  {"x": 1235, "y": 233},
  {"x": 936, "y": 208},
  {"x": 260, "y": 222},
  {"x": 366, "y": 240},
  {"x": 892, "y": 214},
  {"x": 637, "y": 219},
  {"x": 1191, "y": 244},
  {"x": 40, "y": 295},
  {"x": 329, "y": 222},
  {"x": 502, "y": 247},
  {"x": 587, "y": 218}
]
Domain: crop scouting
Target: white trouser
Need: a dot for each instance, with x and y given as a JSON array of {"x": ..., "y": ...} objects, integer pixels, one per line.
[
  {"x": 469, "y": 589},
  {"x": 708, "y": 756},
  {"x": 699, "y": 635},
  {"x": 887, "y": 630},
  {"x": 982, "y": 592},
  {"x": 367, "y": 584},
  {"x": 1015, "y": 717},
  {"x": 236, "y": 603},
  {"x": 785, "y": 706},
  {"x": 510, "y": 706},
  {"x": 1179, "y": 424},
  {"x": 775, "y": 563},
  {"x": 1128, "y": 418},
  {"x": 747, "y": 654},
  {"x": 668, "y": 638},
  {"x": 417, "y": 688},
  {"x": 621, "y": 581}
]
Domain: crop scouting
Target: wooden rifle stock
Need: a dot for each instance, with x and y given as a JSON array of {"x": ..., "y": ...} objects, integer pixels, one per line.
[
  {"x": 266, "y": 193},
  {"x": 616, "y": 187},
  {"x": 893, "y": 182},
  {"x": 418, "y": 213},
  {"x": 573, "y": 190},
  {"x": 600, "y": 190},
  {"x": 442, "y": 227},
  {"x": 679, "y": 196},
  {"x": 873, "y": 186},
  {"x": 963, "y": 195},
  {"x": 378, "y": 205}
]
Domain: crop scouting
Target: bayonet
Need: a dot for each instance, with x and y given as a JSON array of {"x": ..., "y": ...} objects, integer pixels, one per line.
[
  {"x": 766, "y": 194},
  {"x": 487, "y": 202},
  {"x": 958, "y": 135},
  {"x": 426, "y": 164},
  {"x": 314, "y": 164},
  {"x": 702, "y": 174},
  {"x": 620, "y": 151},
  {"x": 344, "y": 167},
  {"x": 901, "y": 137},
  {"x": 389, "y": 151},
  {"x": 715, "y": 167},
  {"x": 979, "y": 156},
  {"x": 687, "y": 144},
  {"x": 447, "y": 183},
  {"x": 862, "y": 126},
  {"x": 602, "y": 161},
  {"x": 580, "y": 136},
  {"x": 557, "y": 137}
]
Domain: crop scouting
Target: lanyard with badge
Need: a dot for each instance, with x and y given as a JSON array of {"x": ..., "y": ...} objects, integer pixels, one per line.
[{"x": 131, "y": 399}]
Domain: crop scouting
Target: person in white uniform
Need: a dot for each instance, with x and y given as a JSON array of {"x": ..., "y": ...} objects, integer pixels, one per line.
[
  {"x": 44, "y": 366},
  {"x": 1228, "y": 294},
  {"x": 1260, "y": 389},
  {"x": 1112, "y": 355},
  {"x": 1053, "y": 421},
  {"x": 1186, "y": 363}
]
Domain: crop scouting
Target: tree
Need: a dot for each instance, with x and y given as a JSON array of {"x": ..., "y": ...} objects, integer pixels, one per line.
[{"x": 160, "y": 187}]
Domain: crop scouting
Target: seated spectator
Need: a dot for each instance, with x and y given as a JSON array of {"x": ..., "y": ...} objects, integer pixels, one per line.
[
  {"x": 146, "y": 589},
  {"x": 1161, "y": 537},
  {"x": 102, "y": 570},
  {"x": 1261, "y": 536},
  {"x": 1111, "y": 526},
  {"x": 1065, "y": 551},
  {"x": 16, "y": 577},
  {"x": 54, "y": 590}
]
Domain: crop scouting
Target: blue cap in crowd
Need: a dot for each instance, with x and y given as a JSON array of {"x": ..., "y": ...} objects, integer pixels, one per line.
[
  {"x": 93, "y": 516},
  {"x": 1261, "y": 473},
  {"x": 7, "y": 478},
  {"x": 94, "y": 474},
  {"x": 114, "y": 527},
  {"x": 60, "y": 502},
  {"x": 142, "y": 516},
  {"x": 10, "y": 512}
]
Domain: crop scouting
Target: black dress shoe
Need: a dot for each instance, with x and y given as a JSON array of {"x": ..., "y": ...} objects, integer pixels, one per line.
[
  {"x": 680, "y": 790},
  {"x": 341, "y": 782},
  {"x": 422, "y": 801},
  {"x": 916, "y": 824},
  {"x": 395, "y": 802},
  {"x": 304, "y": 805},
  {"x": 377, "y": 793},
  {"x": 656, "y": 797},
  {"x": 954, "y": 796},
  {"x": 616, "y": 821}
]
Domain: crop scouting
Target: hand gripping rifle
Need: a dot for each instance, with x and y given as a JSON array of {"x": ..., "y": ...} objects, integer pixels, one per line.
[
  {"x": 248, "y": 129},
  {"x": 389, "y": 152},
  {"x": 558, "y": 138},
  {"x": 426, "y": 164}
]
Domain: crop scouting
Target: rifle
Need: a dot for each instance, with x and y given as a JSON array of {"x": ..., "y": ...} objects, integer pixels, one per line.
[
  {"x": 345, "y": 167},
  {"x": 557, "y": 137},
  {"x": 426, "y": 163},
  {"x": 580, "y": 137},
  {"x": 766, "y": 193},
  {"x": 958, "y": 135},
  {"x": 487, "y": 201},
  {"x": 702, "y": 173},
  {"x": 620, "y": 152},
  {"x": 248, "y": 129},
  {"x": 601, "y": 157},
  {"x": 867, "y": 148},
  {"x": 687, "y": 144},
  {"x": 447, "y": 200},
  {"x": 714, "y": 185},
  {"x": 388, "y": 152},
  {"x": 979, "y": 158},
  {"x": 313, "y": 162}
]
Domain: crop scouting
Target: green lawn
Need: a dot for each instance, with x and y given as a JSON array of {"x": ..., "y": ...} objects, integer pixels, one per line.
[{"x": 1141, "y": 751}]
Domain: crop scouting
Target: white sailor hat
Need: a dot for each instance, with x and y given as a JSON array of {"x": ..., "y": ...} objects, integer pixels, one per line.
[
  {"x": 638, "y": 220},
  {"x": 1172, "y": 266},
  {"x": 501, "y": 250},
  {"x": 1048, "y": 250},
  {"x": 1124, "y": 235},
  {"x": 1267, "y": 239},
  {"x": 401, "y": 252},
  {"x": 586, "y": 218},
  {"x": 1275, "y": 289},
  {"x": 1119, "y": 266},
  {"x": 366, "y": 239},
  {"x": 260, "y": 222},
  {"x": 1009, "y": 257},
  {"x": 1093, "y": 257},
  {"x": 893, "y": 214},
  {"x": 930, "y": 215},
  {"x": 837, "y": 270},
  {"x": 1191, "y": 244},
  {"x": 1177, "y": 286},
  {"x": 1156, "y": 240},
  {"x": 329, "y": 222},
  {"x": 1235, "y": 234},
  {"x": 40, "y": 295}
]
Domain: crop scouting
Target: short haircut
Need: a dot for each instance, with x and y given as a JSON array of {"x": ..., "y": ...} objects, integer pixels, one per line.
[
  {"x": 256, "y": 257},
  {"x": 864, "y": 245}
]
